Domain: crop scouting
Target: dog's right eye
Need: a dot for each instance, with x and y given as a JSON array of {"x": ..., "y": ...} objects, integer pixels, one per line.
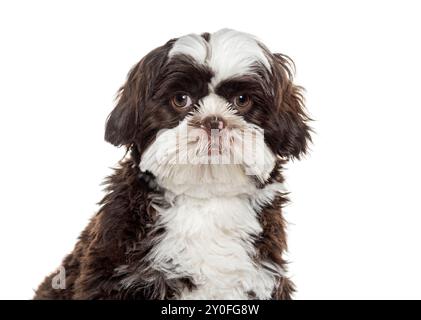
[
  {"x": 243, "y": 101},
  {"x": 181, "y": 100}
]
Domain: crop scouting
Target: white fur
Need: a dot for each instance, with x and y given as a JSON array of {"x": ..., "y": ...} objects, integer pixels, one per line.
[
  {"x": 228, "y": 53},
  {"x": 211, "y": 241},
  {"x": 193, "y": 45}
]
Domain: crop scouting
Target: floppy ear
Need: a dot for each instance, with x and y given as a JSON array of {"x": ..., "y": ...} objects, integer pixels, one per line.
[
  {"x": 292, "y": 117},
  {"x": 122, "y": 123}
]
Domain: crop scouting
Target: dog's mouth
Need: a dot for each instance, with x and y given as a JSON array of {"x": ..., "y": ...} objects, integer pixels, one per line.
[
  {"x": 190, "y": 154},
  {"x": 210, "y": 143}
]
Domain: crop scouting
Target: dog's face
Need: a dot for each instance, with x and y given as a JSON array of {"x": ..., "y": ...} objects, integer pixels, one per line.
[{"x": 210, "y": 108}]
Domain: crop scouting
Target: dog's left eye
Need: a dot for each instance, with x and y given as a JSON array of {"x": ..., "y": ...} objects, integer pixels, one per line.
[{"x": 181, "y": 100}]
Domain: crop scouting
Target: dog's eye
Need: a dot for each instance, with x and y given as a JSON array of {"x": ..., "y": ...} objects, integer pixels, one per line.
[
  {"x": 181, "y": 100},
  {"x": 242, "y": 101}
]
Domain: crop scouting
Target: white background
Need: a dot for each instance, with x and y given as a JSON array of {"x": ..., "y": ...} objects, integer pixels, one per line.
[{"x": 355, "y": 225}]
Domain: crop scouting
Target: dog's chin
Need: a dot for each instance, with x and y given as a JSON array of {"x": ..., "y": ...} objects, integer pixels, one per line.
[{"x": 183, "y": 163}]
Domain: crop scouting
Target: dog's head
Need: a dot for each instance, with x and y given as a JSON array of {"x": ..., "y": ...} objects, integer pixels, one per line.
[{"x": 210, "y": 108}]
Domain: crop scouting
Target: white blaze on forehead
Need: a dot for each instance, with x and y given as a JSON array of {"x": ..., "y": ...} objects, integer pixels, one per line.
[
  {"x": 193, "y": 45},
  {"x": 228, "y": 53}
]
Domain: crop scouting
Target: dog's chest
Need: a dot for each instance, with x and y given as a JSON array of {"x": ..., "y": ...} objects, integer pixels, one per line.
[{"x": 212, "y": 241}]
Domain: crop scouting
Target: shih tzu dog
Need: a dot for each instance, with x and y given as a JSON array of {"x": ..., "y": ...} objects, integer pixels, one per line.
[{"x": 194, "y": 209}]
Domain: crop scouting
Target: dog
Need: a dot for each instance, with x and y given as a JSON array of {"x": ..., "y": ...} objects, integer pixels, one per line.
[{"x": 194, "y": 208}]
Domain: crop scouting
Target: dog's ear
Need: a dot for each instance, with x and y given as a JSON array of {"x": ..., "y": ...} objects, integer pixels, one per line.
[
  {"x": 294, "y": 132},
  {"x": 122, "y": 123}
]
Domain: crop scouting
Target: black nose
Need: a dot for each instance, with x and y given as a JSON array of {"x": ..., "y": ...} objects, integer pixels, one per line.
[{"x": 213, "y": 122}]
